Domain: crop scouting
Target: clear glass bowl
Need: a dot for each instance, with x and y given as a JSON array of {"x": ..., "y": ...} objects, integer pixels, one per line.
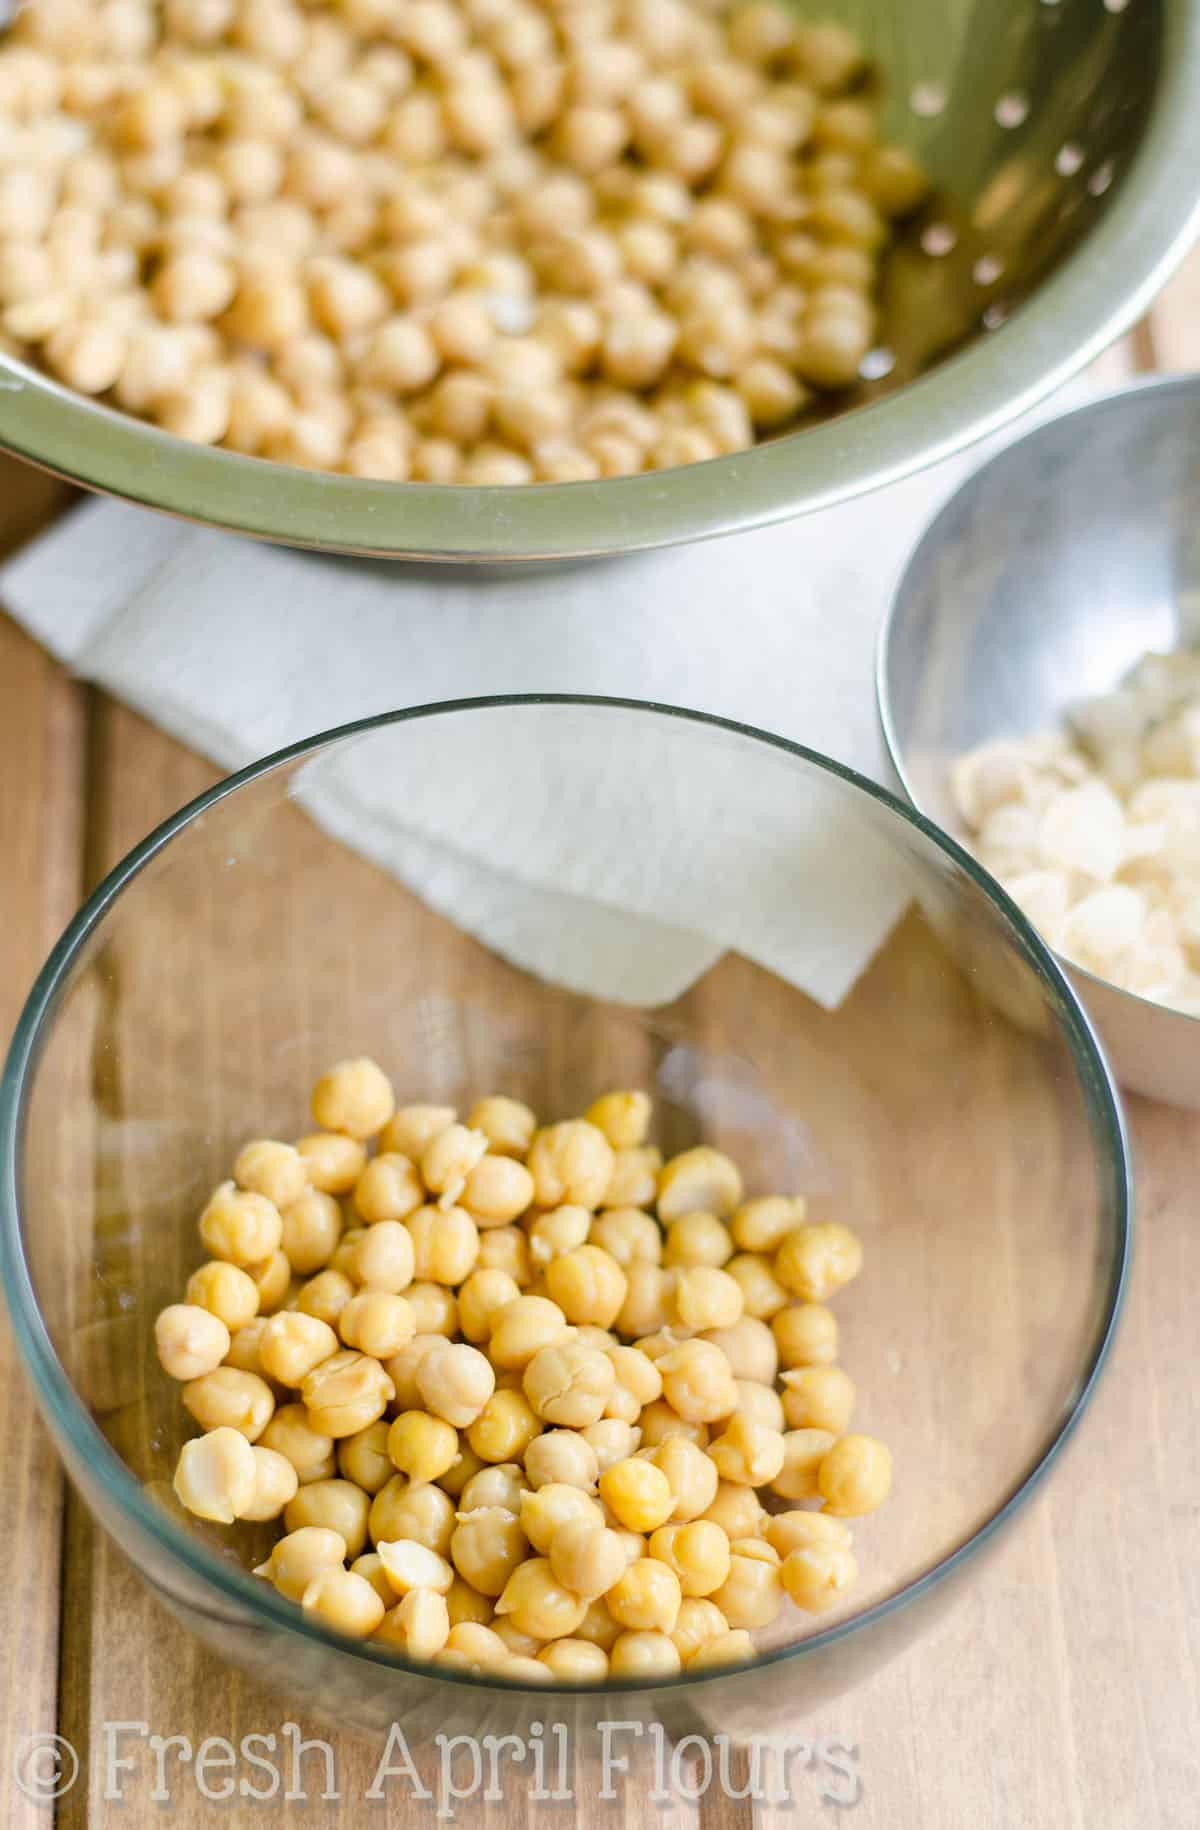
[{"x": 954, "y": 1107}]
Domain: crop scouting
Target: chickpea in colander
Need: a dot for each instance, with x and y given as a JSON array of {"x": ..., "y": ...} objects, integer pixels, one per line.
[
  {"x": 432, "y": 243},
  {"x": 566, "y": 1479}
]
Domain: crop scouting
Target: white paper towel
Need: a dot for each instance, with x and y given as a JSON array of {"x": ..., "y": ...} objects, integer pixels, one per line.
[{"x": 239, "y": 648}]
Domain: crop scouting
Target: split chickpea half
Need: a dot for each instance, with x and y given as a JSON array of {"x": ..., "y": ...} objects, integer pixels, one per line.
[{"x": 505, "y": 1426}]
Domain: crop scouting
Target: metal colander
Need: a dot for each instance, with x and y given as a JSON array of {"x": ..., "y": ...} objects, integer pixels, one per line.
[{"x": 1063, "y": 140}]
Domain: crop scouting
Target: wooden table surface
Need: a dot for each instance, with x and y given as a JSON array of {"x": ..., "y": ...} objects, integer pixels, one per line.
[{"x": 1064, "y": 1690}]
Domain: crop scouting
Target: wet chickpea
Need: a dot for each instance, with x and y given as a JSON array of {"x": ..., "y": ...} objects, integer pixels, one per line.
[
  {"x": 411, "y": 1129},
  {"x": 697, "y": 1623},
  {"x": 637, "y": 1375},
  {"x": 639, "y": 1494},
  {"x": 312, "y": 1227},
  {"x": 412, "y": 1509},
  {"x": 855, "y": 1476},
  {"x": 445, "y": 1244},
  {"x": 345, "y": 1393},
  {"x": 377, "y": 1323},
  {"x": 364, "y": 1459},
  {"x": 292, "y": 1344},
  {"x": 658, "y": 1424},
  {"x": 819, "y": 1398},
  {"x": 697, "y": 1552},
  {"x": 497, "y": 1190},
  {"x": 647, "y": 1297},
  {"x": 385, "y": 1258},
  {"x": 698, "y": 1239},
  {"x": 370, "y": 1566},
  {"x": 637, "y": 1654},
  {"x": 410, "y": 1565},
  {"x": 763, "y": 1296},
  {"x": 325, "y": 1296},
  {"x": 243, "y": 1347},
  {"x": 749, "y": 1346},
  {"x": 389, "y": 1188},
  {"x": 227, "y": 1398},
  {"x": 336, "y": 1505},
  {"x": 817, "y": 1576},
  {"x": 455, "y": 1382},
  {"x": 553, "y": 1234},
  {"x": 487, "y": 1545},
  {"x": 240, "y": 1227},
  {"x": 216, "y": 1475},
  {"x": 816, "y": 1260},
  {"x": 507, "y": 1124},
  {"x": 806, "y": 1335},
  {"x": 701, "y": 1179},
  {"x": 738, "y": 1511},
  {"x": 587, "y": 1558},
  {"x": 464, "y": 1603},
  {"x": 297, "y": 1558},
  {"x": 504, "y": 1428},
  {"x": 494, "y": 1484},
  {"x": 752, "y": 1593},
  {"x": 571, "y": 1164},
  {"x": 275, "y": 1484},
  {"x": 401, "y": 1369},
  {"x": 309, "y": 1450},
  {"x": 705, "y": 1298},
  {"x": 698, "y": 1382},
  {"x": 588, "y": 1285},
  {"x": 355, "y": 1098},
  {"x": 421, "y": 1446},
  {"x": 760, "y": 1404},
  {"x": 191, "y": 1341},
  {"x": 448, "y": 1159},
  {"x": 482, "y": 1295},
  {"x": 334, "y": 1162},
  {"x": 434, "y": 1308},
  {"x": 732, "y": 1648},
  {"x": 748, "y": 1453},
  {"x": 272, "y": 1278},
  {"x": 419, "y": 1624},
  {"x": 505, "y": 1248},
  {"x": 804, "y": 1451},
  {"x": 275, "y": 1171},
  {"x": 623, "y": 1117},
  {"x": 646, "y": 1597},
  {"x": 762, "y": 1225},
  {"x": 634, "y": 1179},
  {"x": 575, "y": 1661},
  {"x": 538, "y": 1604},
  {"x": 522, "y": 1328},
  {"x": 562, "y": 1458}
]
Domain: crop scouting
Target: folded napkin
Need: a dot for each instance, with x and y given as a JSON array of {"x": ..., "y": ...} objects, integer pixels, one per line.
[{"x": 238, "y": 649}]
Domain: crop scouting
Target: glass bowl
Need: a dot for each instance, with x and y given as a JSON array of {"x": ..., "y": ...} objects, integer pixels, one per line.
[{"x": 954, "y": 1106}]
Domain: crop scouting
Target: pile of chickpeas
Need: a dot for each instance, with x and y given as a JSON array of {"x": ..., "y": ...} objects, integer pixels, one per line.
[
  {"x": 476, "y": 241},
  {"x": 542, "y": 1373}
]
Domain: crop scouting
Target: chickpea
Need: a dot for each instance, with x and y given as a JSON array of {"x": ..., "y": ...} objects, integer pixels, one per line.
[
  {"x": 637, "y": 1377},
  {"x": 292, "y": 1344},
  {"x": 804, "y": 1451},
  {"x": 505, "y": 1248},
  {"x": 643, "y": 1655},
  {"x": 588, "y": 1285},
  {"x": 698, "y": 1239},
  {"x": 659, "y": 1424},
  {"x": 818, "y": 1397},
  {"x": 789, "y": 1531},
  {"x": 401, "y": 1369},
  {"x": 588, "y": 1559},
  {"x": 497, "y": 1190},
  {"x": 806, "y": 1335},
  {"x": 639, "y": 1493},
  {"x": 481, "y": 1296},
  {"x": 538, "y": 1604},
  {"x": 455, "y": 1382},
  {"x": 191, "y": 1340},
  {"x": 522, "y": 1328},
  {"x": 698, "y": 1382},
  {"x": 457, "y": 1478},
  {"x": 421, "y": 1446},
  {"x": 545, "y": 1510},
  {"x": 705, "y": 1297},
  {"x": 410, "y": 1565},
  {"x": 855, "y": 1475},
  {"x": 558, "y": 1232},
  {"x": 752, "y": 1594},
  {"x": 216, "y": 1475},
  {"x": 507, "y": 1124},
  {"x": 227, "y": 1398},
  {"x": 691, "y": 1476},
  {"x": 504, "y": 1428},
  {"x": 575, "y": 1661},
  {"x": 478, "y": 1643},
  {"x": 698, "y": 1179},
  {"x": 815, "y": 1260},
  {"x": 335, "y": 1505},
  {"x": 309, "y": 1450},
  {"x": 760, "y": 1404},
  {"x": 501, "y": 1484},
  {"x": 377, "y": 1323},
  {"x": 389, "y": 1188},
  {"x": 411, "y": 1129},
  {"x": 762, "y": 1293},
  {"x": 334, "y": 1162},
  {"x": 364, "y": 1459},
  {"x": 463, "y": 1603},
  {"x": 646, "y": 1597},
  {"x": 763, "y": 1224},
  {"x": 749, "y": 1453},
  {"x": 569, "y": 1383},
  {"x": 275, "y": 1484},
  {"x": 385, "y": 1258},
  {"x": 449, "y": 1158},
  {"x": 243, "y": 1347},
  {"x": 738, "y": 1511},
  {"x": 697, "y": 1553},
  {"x": 370, "y": 1566},
  {"x": 562, "y": 1458},
  {"x": 818, "y": 1575},
  {"x": 487, "y": 1546},
  {"x": 240, "y": 1227},
  {"x": 416, "y": 1510},
  {"x": 297, "y": 1558},
  {"x": 571, "y": 1163},
  {"x": 732, "y": 1648},
  {"x": 434, "y": 1307},
  {"x": 346, "y": 1393},
  {"x": 272, "y": 1278},
  {"x": 697, "y": 1624},
  {"x": 325, "y": 1295},
  {"x": 648, "y": 1290},
  {"x": 355, "y": 1097}
]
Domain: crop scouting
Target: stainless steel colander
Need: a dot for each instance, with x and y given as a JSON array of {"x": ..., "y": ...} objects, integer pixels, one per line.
[{"x": 1063, "y": 138}]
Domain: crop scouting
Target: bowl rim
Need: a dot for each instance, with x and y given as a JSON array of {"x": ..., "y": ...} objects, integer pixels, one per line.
[
  {"x": 1152, "y": 217},
  {"x": 55, "y": 1391},
  {"x": 1111, "y": 398}
]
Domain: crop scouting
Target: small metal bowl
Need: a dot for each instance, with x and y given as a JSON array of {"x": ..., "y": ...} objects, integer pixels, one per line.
[
  {"x": 1042, "y": 581},
  {"x": 1062, "y": 138}
]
